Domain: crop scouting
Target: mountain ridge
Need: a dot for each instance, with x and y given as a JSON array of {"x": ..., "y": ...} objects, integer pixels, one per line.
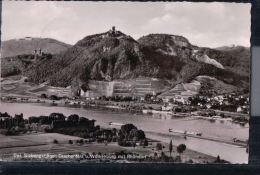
[
  {"x": 27, "y": 45},
  {"x": 113, "y": 55}
]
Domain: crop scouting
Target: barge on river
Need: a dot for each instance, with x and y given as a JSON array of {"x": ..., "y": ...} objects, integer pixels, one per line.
[{"x": 186, "y": 132}]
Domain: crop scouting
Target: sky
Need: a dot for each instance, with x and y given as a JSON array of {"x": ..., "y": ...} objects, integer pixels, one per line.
[{"x": 203, "y": 24}]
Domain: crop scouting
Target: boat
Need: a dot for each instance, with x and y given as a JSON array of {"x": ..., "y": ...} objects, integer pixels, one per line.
[
  {"x": 115, "y": 124},
  {"x": 177, "y": 131},
  {"x": 146, "y": 111},
  {"x": 194, "y": 133},
  {"x": 240, "y": 141},
  {"x": 186, "y": 132}
]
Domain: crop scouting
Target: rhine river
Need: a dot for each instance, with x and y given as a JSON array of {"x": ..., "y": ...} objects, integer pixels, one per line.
[{"x": 155, "y": 124}]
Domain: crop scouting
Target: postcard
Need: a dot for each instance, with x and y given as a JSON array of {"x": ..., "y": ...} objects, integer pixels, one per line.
[{"x": 125, "y": 82}]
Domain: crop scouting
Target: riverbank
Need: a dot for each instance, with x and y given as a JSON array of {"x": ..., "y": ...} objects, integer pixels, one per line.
[
  {"x": 132, "y": 107},
  {"x": 147, "y": 123}
]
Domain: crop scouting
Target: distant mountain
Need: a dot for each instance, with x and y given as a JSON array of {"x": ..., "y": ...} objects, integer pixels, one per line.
[
  {"x": 114, "y": 55},
  {"x": 231, "y": 47},
  {"x": 27, "y": 45}
]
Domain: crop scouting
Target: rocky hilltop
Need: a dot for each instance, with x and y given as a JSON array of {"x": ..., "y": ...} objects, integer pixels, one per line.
[{"x": 114, "y": 55}]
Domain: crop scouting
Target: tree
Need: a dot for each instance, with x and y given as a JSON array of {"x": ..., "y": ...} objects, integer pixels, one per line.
[
  {"x": 83, "y": 120},
  {"x": 34, "y": 120},
  {"x": 18, "y": 119},
  {"x": 181, "y": 148},
  {"x": 170, "y": 148},
  {"x": 54, "y": 97},
  {"x": 155, "y": 154},
  {"x": 81, "y": 141},
  {"x": 127, "y": 128},
  {"x": 44, "y": 96},
  {"x": 75, "y": 87},
  {"x": 178, "y": 110},
  {"x": 218, "y": 159},
  {"x": 164, "y": 158},
  {"x": 84, "y": 87},
  {"x": 140, "y": 135},
  {"x": 222, "y": 115},
  {"x": 70, "y": 142},
  {"x": 159, "y": 146},
  {"x": 57, "y": 116},
  {"x": 134, "y": 144},
  {"x": 145, "y": 142},
  {"x": 133, "y": 134},
  {"x": 55, "y": 141},
  {"x": 44, "y": 120},
  {"x": 73, "y": 117},
  {"x": 147, "y": 97}
]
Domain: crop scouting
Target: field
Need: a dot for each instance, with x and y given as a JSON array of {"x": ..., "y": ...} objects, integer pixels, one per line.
[
  {"x": 42, "y": 144},
  {"x": 17, "y": 86}
]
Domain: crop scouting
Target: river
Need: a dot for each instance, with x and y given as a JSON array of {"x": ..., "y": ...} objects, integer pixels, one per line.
[{"x": 157, "y": 124}]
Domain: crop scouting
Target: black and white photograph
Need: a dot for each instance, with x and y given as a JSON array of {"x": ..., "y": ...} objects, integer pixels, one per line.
[{"x": 125, "y": 82}]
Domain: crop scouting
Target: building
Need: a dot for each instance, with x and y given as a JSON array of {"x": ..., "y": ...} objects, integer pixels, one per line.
[
  {"x": 38, "y": 53},
  {"x": 113, "y": 29},
  {"x": 28, "y": 38},
  {"x": 167, "y": 107},
  {"x": 239, "y": 109},
  {"x": 136, "y": 88}
]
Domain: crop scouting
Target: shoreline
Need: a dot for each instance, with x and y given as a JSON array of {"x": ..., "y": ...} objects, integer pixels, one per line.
[
  {"x": 93, "y": 110},
  {"x": 113, "y": 106},
  {"x": 97, "y": 108}
]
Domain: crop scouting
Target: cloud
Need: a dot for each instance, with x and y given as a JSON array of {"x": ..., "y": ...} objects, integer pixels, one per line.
[
  {"x": 204, "y": 24},
  {"x": 34, "y": 19}
]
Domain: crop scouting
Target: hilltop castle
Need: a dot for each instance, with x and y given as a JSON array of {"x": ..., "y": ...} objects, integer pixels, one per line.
[{"x": 113, "y": 31}]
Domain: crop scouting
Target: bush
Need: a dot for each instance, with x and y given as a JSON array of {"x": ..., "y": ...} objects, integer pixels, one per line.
[
  {"x": 55, "y": 141},
  {"x": 222, "y": 115},
  {"x": 80, "y": 141},
  {"x": 44, "y": 96},
  {"x": 146, "y": 142},
  {"x": 70, "y": 142},
  {"x": 73, "y": 117},
  {"x": 219, "y": 160},
  {"x": 181, "y": 148},
  {"x": 114, "y": 139},
  {"x": 190, "y": 161},
  {"x": 54, "y": 97},
  {"x": 177, "y": 159},
  {"x": 159, "y": 146}
]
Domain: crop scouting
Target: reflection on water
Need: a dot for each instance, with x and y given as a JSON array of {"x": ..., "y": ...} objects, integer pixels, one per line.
[{"x": 156, "y": 123}]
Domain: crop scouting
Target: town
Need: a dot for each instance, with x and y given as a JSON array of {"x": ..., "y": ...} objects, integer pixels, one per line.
[{"x": 234, "y": 106}]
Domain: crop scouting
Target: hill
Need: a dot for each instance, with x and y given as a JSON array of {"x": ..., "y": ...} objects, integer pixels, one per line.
[
  {"x": 27, "y": 45},
  {"x": 114, "y": 55},
  {"x": 236, "y": 58}
]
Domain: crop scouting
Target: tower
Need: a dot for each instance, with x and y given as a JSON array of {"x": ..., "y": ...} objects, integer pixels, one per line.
[{"x": 113, "y": 30}]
